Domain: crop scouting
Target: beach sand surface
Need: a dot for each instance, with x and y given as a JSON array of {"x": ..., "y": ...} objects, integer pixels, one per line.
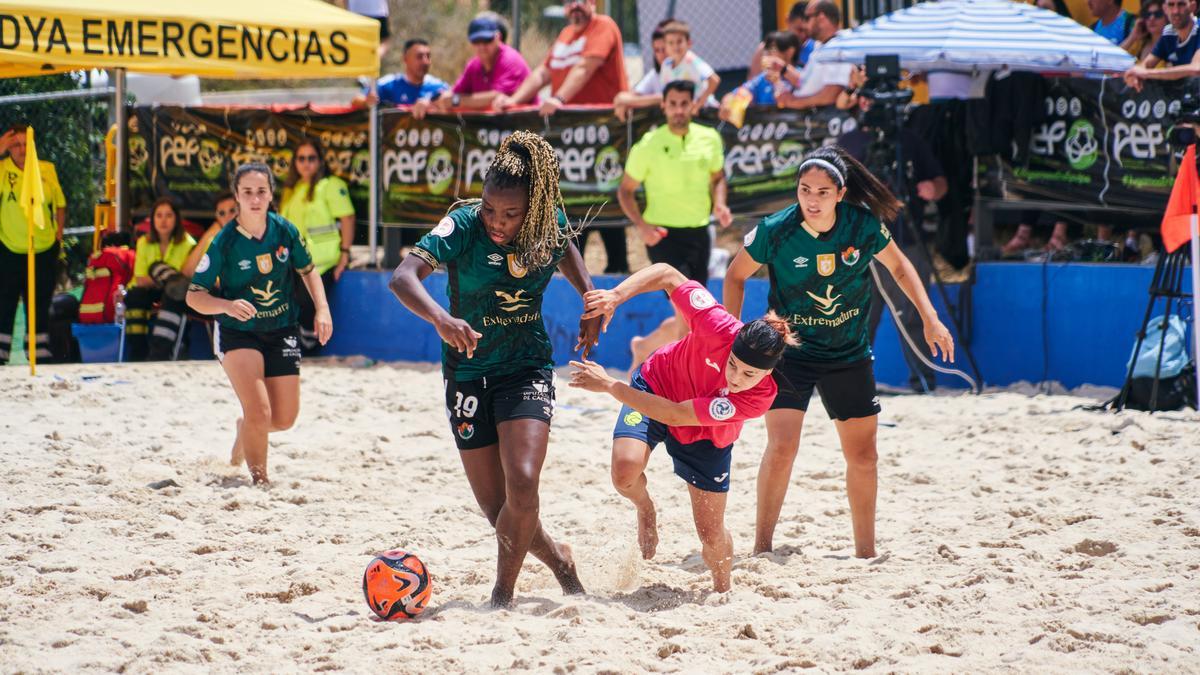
[{"x": 1016, "y": 534}]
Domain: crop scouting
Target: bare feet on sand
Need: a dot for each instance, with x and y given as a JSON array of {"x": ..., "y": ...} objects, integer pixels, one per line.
[
  {"x": 648, "y": 531},
  {"x": 565, "y": 572}
]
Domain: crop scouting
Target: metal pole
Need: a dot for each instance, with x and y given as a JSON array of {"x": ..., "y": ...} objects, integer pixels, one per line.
[
  {"x": 1196, "y": 295},
  {"x": 373, "y": 203},
  {"x": 118, "y": 77},
  {"x": 516, "y": 24},
  {"x": 56, "y": 95}
]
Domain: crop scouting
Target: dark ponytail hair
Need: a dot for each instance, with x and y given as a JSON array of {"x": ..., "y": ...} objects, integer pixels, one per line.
[
  {"x": 862, "y": 187},
  {"x": 767, "y": 336}
]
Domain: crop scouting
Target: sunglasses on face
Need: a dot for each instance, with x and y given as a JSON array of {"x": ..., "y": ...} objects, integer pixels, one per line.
[
  {"x": 480, "y": 42},
  {"x": 306, "y": 158},
  {"x": 1158, "y": 14}
]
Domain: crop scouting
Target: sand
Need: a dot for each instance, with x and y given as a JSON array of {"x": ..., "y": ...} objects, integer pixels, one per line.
[{"x": 1016, "y": 534}]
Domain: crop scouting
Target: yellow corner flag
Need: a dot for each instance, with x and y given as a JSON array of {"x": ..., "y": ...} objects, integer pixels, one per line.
[{"x": 33, "y": 203}]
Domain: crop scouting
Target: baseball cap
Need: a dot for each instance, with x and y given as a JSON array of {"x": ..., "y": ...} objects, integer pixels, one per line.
[{"x": 482, "y": 28}]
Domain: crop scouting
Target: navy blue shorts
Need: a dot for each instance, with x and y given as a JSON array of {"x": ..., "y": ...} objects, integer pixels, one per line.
[{"x": 701, "y": 463}]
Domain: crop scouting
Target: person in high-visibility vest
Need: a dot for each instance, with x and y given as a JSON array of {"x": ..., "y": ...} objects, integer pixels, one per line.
[
  {"x": 160, "y": 271},
  {"x": 14, "y": 244},
  {"x": 318, "y": 204}
]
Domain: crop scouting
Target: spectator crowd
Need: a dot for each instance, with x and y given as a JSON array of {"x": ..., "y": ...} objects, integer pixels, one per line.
[{"x": 678, "y": 166}]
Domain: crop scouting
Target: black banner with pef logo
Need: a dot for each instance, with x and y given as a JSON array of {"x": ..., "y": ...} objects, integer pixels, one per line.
[
  {"x": 429, "y": 164},
  {"x": 1102, "y": 144},
  {"x": 190, "y": 153}
]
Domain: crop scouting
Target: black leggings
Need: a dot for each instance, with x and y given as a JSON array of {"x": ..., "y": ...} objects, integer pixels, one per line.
[
  {"x": 151, "y": 335},
  {"x": 14, "y": 288}
]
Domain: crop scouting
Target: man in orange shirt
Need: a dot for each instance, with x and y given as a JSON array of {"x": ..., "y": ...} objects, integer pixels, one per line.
[{"x": 586, "y": 64}]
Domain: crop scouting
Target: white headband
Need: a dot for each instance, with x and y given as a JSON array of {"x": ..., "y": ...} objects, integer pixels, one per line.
[{"x": 824, "y": 165}]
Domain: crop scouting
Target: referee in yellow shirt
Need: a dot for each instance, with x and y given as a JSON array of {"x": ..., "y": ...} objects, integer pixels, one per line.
[
  {"x": 681, "y": 165},
  {"x": 14, "y": 244}
]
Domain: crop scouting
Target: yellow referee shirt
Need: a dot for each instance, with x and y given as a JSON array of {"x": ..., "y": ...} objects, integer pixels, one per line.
[{"x": 14, "y": 233}]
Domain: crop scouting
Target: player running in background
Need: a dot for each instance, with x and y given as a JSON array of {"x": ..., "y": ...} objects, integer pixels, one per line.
[
  {"x": 819, "y": 252},
  {"x": 500, "y": 253},
  {"x": 257, "y": 336},
  {"x": 693, "y": 395}
]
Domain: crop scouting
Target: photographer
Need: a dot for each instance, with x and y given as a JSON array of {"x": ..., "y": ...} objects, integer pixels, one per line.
[{"x": 873, "y": 143}]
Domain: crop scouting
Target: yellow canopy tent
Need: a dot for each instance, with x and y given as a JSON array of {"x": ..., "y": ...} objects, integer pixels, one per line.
[{"x": 210, "y": 38}]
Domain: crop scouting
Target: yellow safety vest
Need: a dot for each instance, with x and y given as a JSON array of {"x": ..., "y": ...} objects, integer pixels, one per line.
[{"x": 317, "y": 219}]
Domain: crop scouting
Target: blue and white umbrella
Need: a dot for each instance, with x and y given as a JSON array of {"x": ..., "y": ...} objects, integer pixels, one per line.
[{"x": 975, "y": 35}]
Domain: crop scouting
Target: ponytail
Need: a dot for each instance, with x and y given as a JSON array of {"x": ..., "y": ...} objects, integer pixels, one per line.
[
  {"x": 862, "y": 187},
  {"x": 760, "y": 343}
]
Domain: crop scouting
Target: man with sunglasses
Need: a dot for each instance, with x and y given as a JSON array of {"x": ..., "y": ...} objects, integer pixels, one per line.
[
  {"x": 495, "y": 69},
  {"x": 586, "y": 64},
  {"x": 1177, "y": 48}
]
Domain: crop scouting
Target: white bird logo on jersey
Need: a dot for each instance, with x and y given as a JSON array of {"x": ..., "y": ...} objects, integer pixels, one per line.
[{"x": 828, "y": 304}]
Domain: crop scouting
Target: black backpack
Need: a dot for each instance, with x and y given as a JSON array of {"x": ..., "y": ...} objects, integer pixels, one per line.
[{"x": 1174, "y": 393}]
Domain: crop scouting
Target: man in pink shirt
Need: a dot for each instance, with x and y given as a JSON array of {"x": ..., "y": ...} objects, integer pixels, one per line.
[
  {"x": 693, "y": 395},
  {"x": 495, "y": 69}
]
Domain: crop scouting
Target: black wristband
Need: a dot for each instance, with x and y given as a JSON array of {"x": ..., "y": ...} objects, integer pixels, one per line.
[{"x": 345, "y": 250}]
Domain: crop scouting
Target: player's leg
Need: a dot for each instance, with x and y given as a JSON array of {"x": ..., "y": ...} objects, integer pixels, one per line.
[
  {"x": 629, "y": 459},
  {"x": 858, "y": 445},
  {"x": 244, "y": 366},
  {"x": 522, "y": 453},
  {"x": 12, "y": 281},
  {"x": 848, "y": 394},
  {"x": 485, "y": 473},
  {"x": 708, "y": 512},
  {"x": 775, "y": 472}
]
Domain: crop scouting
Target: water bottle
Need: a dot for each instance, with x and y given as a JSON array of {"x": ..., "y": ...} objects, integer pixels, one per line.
[{"x": 119, "y": 305}]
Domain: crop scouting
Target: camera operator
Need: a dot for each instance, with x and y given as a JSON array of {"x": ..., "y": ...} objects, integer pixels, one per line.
[{"x": 873, "y": 144}]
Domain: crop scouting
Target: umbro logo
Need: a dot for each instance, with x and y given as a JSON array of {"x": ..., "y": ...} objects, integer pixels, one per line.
[
  {"x": 244, "y": 265},
  {"x": 495, "y": 259},
  {"x": 800, "y": 261}
]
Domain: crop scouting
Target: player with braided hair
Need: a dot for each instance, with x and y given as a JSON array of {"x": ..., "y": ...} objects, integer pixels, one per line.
[
  {"x": 500, "y": 253},
  {"x": 819, "y": 252}
]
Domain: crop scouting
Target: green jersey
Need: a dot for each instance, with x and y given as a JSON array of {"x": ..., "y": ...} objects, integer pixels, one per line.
[
  {"x": 256, "y": 270},
  {"x": 490, "y": 290},
  {"x": 821, "y": 285}
]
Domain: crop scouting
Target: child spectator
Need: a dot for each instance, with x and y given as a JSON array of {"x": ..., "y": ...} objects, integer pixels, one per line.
[
  {"x": 779, "y": 49},
  {"x": 681, "y": 64},
  {"x": 643, "y": 94}
]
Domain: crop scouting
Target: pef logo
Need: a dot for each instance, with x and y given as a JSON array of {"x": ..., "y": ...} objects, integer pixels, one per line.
[
  {"x": 1081, "y": 147},
  {"x": 701, "y": 299}
]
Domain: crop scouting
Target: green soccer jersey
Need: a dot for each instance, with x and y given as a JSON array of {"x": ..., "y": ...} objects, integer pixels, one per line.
[
  {"x": 489, "y": 290},
  {"x": 256, "y": 270},
  {"x": 821, "y": 285}
]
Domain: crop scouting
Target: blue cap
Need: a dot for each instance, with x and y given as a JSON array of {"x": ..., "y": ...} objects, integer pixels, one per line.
[{"x": 482, "y": 28}]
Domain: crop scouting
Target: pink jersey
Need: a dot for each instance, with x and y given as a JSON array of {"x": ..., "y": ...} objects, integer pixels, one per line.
[{"x": 693, "y": 369}]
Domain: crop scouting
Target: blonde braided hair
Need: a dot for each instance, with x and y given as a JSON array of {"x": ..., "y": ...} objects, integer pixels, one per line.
[{"x": 526, "y": 160}]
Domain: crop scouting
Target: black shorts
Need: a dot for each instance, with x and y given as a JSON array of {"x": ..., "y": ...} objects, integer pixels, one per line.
[
  {"x": 700, "y": 463},
  {"x": 687, "y": 249},
  {"x": 477, "y": 407},
  {"x": 280, "y": 348},
  {"x": 847, "y": 389}
]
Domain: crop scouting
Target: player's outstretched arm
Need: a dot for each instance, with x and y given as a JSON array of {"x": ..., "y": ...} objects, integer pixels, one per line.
[
  {"x": 591, "y": 376},
  {"x": 657, "y": 277},
  {"x": 407, "y": 287}
]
